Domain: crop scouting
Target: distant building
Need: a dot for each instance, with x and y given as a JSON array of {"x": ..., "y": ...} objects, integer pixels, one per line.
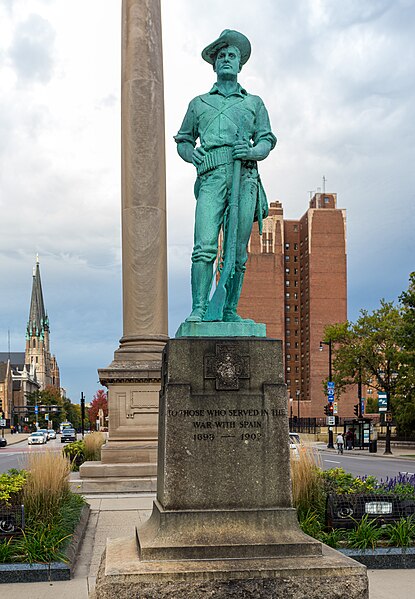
[
  {"x": 6, "y": 389},
  {"x": 296, "y": 283},
  {"x": 37, "y": 337}
]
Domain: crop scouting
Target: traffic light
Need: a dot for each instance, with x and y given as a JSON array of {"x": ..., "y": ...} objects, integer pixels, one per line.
[
  {"x": 326, "y": 409},
  {"x": 331, "y": 409},
  {"x": 356, "y": 409}
]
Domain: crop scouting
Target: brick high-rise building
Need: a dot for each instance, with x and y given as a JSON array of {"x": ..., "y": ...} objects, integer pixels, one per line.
[{"x": 296, "y": 282}]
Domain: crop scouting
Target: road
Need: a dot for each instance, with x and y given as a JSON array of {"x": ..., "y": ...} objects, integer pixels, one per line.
[
  {"x": 14, "y": 456},
  {"x": 363, "y": 463}
]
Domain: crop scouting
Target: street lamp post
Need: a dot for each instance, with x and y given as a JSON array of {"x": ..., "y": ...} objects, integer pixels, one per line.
[
  {"x": 297, "y": 393},
  {"x": 330, "y": 444}
]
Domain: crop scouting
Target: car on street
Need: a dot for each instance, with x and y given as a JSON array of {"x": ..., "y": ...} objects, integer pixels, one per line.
[
  {"x": 36, "y": 438},
  {"x": 51, "y": 433},
  {"x": 45, "y": 432},
  {"x": 68, "y": 435}
]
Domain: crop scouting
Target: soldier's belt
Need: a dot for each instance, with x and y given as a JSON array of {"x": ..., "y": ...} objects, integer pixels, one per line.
[{"x": 215, "y": 157}]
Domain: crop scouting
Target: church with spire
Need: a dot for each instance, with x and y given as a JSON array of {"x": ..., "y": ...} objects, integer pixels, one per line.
[{"x": 37, "y": 352}]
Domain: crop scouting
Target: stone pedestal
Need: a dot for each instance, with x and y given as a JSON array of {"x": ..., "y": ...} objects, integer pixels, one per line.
[{"x": 223, "y": 522}]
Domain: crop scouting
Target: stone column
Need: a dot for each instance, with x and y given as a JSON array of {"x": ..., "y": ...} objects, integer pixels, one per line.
[
  {"x": 133, "y": 378},
  {"x": 144, "y": 245}
]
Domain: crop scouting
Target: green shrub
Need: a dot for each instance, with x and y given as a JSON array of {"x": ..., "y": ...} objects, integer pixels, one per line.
[
  {"x": 6, "y": 550},
  {"x": 310, "y": 523},
  {"x": 402, "y": 532},
  {"x": 340, "y": 482},
  {"x": 334, "y": 537},
  {"x": 11, "y": 486},
  {"x": 366, "y": 534},
  {"x": 75, "y": 452}
]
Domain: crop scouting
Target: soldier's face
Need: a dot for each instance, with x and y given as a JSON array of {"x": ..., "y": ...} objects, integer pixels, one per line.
[{"x": 227, "y": 62}]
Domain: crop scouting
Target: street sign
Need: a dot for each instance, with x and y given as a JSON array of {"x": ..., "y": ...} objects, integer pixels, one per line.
[
  {"x": 383, "y": 402},
  {"x": 330, "y": 385},
  {"x": 335, "y": 407},
  {"x": 388, "y": 416},
  {"x": 331, "y": 420},
  {"x": 330, "y": 399},
  {"x": 362, "y": 406},
  {"x": 36, "y": 409},
  {"x": 2, "y": 423}
]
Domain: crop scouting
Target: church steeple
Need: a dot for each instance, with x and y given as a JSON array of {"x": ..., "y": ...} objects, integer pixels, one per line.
[
  {"x": 38, "y": 321},
  {"x": 37, "y": 337}
]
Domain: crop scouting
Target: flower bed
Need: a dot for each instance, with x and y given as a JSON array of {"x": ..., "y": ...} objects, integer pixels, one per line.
[{"x": 52, "y": 514}]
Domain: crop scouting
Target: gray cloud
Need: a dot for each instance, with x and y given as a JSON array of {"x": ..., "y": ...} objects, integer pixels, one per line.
[{"x": 31, "y": 51}]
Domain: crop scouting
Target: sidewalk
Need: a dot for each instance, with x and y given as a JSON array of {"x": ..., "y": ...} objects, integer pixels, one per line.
[
  {"x": 13, "y": 439},
  {"x": 117, "y": 516},
  {"x": 397, "y": 452}
]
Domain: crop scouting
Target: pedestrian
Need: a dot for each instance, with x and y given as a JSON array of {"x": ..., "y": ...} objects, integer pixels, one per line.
[
  {"x": 340, "y": 443},
  {"x": 349, "y": 440}
]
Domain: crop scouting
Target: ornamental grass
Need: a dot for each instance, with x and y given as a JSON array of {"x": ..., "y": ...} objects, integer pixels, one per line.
[
  {"x": 47, "y": 484},
  {"x": 93, "y": 443}
]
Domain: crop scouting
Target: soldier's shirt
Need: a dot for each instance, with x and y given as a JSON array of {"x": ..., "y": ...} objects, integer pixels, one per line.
[{"x": 219, "y": 120}]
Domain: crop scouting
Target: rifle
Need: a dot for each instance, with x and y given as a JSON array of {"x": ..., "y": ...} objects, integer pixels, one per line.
[{"x": 216, "y": 305}]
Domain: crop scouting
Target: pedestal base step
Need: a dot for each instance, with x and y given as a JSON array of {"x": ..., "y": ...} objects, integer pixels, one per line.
[
  {"x": 221, "y": 329},
  {"x": 122, "y": 575},
  {"x": 143, "y": 484}
]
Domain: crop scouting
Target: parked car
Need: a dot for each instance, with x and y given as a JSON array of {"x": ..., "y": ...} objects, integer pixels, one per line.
[
  {"x": 52, "y": 433},
  {"x": 68, "y": 435},
  {"x": 295, "y": 443},
  {"x": 37, "y": 438}
]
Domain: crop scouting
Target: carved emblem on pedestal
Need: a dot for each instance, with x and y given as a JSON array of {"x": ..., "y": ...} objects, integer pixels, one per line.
[{"x": 227, "y": 367}]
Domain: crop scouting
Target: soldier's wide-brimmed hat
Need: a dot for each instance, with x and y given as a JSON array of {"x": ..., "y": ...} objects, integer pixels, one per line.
[{"x": 229, "y": 37}]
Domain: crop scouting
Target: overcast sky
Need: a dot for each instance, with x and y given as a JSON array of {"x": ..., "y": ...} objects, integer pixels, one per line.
[{"x": 337, "y": 76}]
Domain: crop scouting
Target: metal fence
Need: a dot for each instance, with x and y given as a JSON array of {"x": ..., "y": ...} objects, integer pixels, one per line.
[{"x": 11, "y": 520}]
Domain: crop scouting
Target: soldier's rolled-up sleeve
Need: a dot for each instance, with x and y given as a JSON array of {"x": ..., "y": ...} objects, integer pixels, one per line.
[
  {"x": 263, "y": 126},
  {"x": 188, "y": 130}
]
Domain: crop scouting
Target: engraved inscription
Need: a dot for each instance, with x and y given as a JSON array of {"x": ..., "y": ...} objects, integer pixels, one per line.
[
  {"x": 241, "y": 424},
  {"x": 227, "y": 367}
]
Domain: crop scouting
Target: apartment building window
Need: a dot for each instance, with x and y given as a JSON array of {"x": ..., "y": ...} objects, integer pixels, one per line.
[
  {"x": 287, "y": 294},
  {"x": 295, "y": 258},
  {"x": 296, "y": 271},
  {"x": 295, "y": 308},
  {"x": 295, "y": 295},
  {"x": 295, "y": 228},
  {"x": 288, "y": 369},
  {"x": 287, "y": 283},
  {"x": 287, "y": 270},
  {"x": 286, "y": 258},
  {"x": 287, "y": 308},
  {"x": 288, "y": 344},
  {"x": 288, "y": 357},
  {"x": 296, "y": 246},
  {"x": 287, "y": 246},
  {"x": 287, "y": 319}
]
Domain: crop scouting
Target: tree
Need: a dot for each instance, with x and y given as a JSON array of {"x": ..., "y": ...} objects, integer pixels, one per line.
[
  {"x": 99, "y": 401},
  {"x": 368, "y": 352},
  {"x": 50, "y": 396},
  {"x": 405, "y": 397}
]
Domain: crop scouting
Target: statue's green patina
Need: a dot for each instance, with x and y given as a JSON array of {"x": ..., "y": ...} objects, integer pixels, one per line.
[{"x": 234, "y": 132}]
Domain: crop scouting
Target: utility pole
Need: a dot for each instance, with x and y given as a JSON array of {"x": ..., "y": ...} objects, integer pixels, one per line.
[{"x": 82, "y": 414}]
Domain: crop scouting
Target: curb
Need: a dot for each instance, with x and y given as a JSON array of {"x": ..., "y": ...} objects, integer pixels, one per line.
[
  {"x": 55, "y": 571},
  {"x": 383, "y": 558}
]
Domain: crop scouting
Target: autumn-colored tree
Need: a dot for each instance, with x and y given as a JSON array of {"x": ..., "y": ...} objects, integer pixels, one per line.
[{"x": 99, "y": 402}]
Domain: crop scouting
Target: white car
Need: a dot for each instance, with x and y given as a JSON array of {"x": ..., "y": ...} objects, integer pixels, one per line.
[
  {"x": 37, "y": 438},
  {"x": 295, "y": 443},
  {"x": 51, "y": 433}
]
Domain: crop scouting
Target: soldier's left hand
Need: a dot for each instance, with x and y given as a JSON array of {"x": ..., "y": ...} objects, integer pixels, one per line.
[{"x": 242, "y": 151}]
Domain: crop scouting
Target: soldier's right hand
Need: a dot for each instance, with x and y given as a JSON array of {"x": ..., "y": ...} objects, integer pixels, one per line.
[{"x": 198, "y": 155}]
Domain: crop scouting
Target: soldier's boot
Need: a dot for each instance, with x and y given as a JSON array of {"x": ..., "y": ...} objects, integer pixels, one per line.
[
  {"x": 234, "y": 288},
  {"x": 201, "y": 278}
]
